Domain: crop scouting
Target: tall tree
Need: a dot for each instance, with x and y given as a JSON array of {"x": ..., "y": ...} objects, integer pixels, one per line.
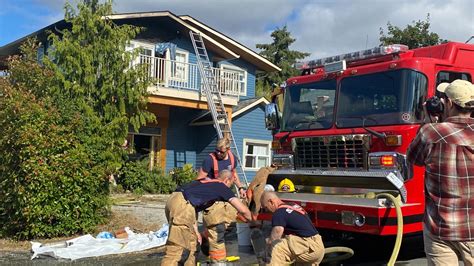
[
  {"x": 278, "y": 52},
  {"x": 63, "y": 124},
  {"x": 416, "y": 35},
  {"x": 92, "y": 68}
]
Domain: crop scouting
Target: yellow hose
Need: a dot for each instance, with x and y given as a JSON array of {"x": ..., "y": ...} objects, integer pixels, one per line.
[
  {"x": 347, "y": 252},
  {"x": 398, "y": 240}
]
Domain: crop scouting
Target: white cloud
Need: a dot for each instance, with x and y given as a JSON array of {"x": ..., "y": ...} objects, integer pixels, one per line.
[
  {"x": 321, "y": 27},
  {"x": 328, "y": 28}
]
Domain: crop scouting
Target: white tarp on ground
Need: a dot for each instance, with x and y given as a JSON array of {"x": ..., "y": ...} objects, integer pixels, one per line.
[{"x": 89, "y": 246}]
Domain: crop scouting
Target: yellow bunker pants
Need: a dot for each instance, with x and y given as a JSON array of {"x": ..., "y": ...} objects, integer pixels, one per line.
[
  {"x": 257, "y": 187},
  {"x": 300, "y": 250},
  {"x": 216, "y": 219},
  {"x": 182, "y": 240}
]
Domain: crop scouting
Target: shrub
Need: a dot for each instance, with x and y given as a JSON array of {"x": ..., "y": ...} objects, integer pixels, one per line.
[
  {"x": 137, "y": 178},
  {"x": 63, "y": 123},
  {"x": 50, "y": 185},
  {"x": 183, "y": 175}
]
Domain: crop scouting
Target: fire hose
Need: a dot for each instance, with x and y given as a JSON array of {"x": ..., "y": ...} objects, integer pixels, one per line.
[{"x": 347, "y": 252}]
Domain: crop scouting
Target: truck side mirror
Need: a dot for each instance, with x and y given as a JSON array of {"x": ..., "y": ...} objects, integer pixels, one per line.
[{"x": 271, "y": 116}]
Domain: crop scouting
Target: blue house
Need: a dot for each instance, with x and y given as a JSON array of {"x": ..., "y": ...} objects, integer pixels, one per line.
[{"x": 184, "y": 133}]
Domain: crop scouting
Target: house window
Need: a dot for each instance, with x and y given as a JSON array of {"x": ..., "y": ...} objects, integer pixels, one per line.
[
  {"x": 179, "y": 69},
  {"x": 234, "y": 79},
  {"x": 147, "y": 53},
  {"x": 144, "y": 147},
  {"x": 256, "y": 154}
]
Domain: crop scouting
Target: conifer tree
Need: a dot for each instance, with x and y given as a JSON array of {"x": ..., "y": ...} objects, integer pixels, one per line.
[
  {"x": 93, "y": 72},
  {"x": 278, "y": 52}
]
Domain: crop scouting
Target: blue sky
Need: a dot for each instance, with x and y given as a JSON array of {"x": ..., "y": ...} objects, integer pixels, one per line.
[
  {"x": 321, "y": 27},
  {"x": 22, "y": 17}
]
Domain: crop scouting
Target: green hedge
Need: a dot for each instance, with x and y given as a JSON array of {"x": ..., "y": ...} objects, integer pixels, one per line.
[
  {"x": 50, "y": 185},
  {"x": 137, "y": 178}
]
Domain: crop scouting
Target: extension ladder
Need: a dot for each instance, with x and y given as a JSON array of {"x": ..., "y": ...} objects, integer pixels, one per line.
[{"x": 214, "y": 98}]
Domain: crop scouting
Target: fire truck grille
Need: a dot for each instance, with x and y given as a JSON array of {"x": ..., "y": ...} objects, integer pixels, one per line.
[{"x": 346, "y": 151}]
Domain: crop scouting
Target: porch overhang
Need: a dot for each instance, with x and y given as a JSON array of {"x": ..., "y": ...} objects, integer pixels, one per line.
[{"x": 184, "y": 98}]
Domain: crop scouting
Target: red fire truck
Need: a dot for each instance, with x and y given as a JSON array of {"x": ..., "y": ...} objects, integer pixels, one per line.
[{"x": 342, "y": 131}]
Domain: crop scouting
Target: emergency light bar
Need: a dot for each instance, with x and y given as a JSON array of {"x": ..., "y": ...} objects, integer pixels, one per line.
[{"x": 363, "y": 54}]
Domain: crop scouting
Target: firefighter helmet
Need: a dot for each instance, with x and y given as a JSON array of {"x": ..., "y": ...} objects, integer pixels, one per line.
[{"x": 286, "y": 185}]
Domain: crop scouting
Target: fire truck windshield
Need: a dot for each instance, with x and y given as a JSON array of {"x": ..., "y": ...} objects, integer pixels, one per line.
[
  {"x": 383, "y": 98},
  {"x": 309, "y": 106}
]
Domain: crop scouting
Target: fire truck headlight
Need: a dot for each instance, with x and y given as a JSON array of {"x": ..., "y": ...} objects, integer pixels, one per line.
[
  {"x": 283, "y": 160},
  {"x": 384, "y": 160},
  {"x": 390, "y": 160}
]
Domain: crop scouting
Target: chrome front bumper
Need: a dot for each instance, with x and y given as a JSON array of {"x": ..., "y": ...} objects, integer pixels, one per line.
[{"x": 373, "y": 179}]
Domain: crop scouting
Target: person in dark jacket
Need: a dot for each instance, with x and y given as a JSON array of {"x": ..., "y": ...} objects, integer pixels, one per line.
[
  {"x": 293, "y": 237},
  {"x": 181, "y": 212}
]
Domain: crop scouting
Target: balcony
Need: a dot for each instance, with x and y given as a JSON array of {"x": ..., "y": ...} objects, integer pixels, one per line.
[{"x": 185, "y": 77}]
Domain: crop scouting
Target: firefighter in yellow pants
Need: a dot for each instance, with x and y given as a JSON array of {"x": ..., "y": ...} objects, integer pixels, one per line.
[
  {"x": 182, "y": 238},
  {"x": 182, "y": 207},
  {"x": 301, "y": 243},
  {"x": 216, "y": 220},
  {"x": 220, "y": 215}
]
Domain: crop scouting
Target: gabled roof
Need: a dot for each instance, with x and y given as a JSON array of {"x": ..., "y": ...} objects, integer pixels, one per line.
[
  {"x": 248, "y": 104},
  {"x": 205, "y": 118},
  {"x": 224, "y": 46},
  {"x": 245, "y": 53},
  {"x": 209, "y": 42}
]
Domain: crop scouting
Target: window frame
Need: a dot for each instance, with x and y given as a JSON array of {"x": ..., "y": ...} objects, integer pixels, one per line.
[
  {"x": 186, "y": 66},
  {"x": 468, "y": 75},
  {"x": 224, "y": 67},
  {"x": 134, "y": 44},
  {"x": 155, "y": 146},
  {"x": 245, "y": 143}
]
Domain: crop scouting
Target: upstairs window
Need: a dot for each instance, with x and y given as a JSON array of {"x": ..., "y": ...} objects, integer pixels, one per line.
[
  {"x": 180, "y": 68},
  {"x": 235, "y": 79}
]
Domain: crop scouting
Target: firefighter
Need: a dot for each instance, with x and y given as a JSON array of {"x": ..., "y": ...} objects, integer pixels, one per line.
[
  {"x": 293, "y": 237},
  {"x": 181, "y": 212},
  {"x": 217, "y": 217}
]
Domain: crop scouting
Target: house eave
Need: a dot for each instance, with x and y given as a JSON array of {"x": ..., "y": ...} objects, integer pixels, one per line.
[
  {"x": 262, "y": 101},
  {"x": 211, "y": 42},
  {"x": 245, "y": 52}
]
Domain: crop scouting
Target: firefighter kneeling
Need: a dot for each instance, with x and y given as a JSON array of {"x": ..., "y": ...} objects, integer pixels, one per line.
[
  {"x": 181, "y": 212},
  {"x": 301, "y": 243}
]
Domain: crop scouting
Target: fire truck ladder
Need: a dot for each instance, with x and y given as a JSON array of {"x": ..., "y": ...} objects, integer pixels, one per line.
[{"x": 214, "y": 98}]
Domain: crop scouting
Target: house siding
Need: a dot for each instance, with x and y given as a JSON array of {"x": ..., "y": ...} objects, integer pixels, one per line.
[
  {"x": 181, "y": 140},
  {"x": 250, "y": 125},
  {"x": 206, "y": 139}
]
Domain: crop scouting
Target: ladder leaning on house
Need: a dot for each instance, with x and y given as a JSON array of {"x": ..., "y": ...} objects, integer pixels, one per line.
[{"x": 214, "y": 98}]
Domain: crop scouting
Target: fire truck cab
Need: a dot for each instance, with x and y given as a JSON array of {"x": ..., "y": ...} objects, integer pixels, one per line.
[{"x": 343, "y": 129}]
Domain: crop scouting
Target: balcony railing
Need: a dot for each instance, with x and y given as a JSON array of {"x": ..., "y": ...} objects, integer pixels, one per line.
[{"x": 179, "y": 75}]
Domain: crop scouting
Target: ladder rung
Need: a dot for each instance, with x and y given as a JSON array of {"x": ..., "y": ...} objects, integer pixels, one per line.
[{"x": 213, "y": 94}]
